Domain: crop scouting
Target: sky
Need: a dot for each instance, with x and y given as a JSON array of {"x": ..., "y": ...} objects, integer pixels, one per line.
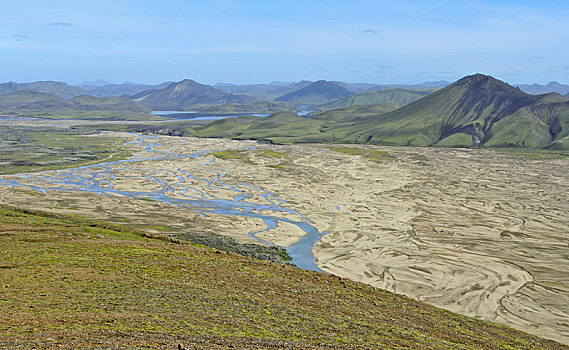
[{"x": 254, "y": 41}]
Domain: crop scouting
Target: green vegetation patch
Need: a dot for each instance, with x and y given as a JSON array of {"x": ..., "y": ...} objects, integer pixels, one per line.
[
  {"x": 233, "y": 154},
  {"x": 533, "y": 153},
  {"x": 74, "y": 283},
  {"x": 371, "y": 154},
  {"x": 269, "y": 153},
  {"x": 26, "y": 149},
  {"x": 228, "y": 244}
]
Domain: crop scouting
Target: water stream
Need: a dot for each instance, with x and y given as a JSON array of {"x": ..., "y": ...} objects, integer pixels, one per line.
[{"x": 100, "y": 179}]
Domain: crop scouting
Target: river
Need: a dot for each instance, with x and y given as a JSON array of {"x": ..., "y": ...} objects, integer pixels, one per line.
[{"x": 100, "y": 179}]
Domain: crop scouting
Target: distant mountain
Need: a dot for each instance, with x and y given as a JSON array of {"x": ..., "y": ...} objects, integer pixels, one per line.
[
  {"x": 395, "y": 97},
  {"x": 57, "y": 88},
  {"x": 263, "y": 92},
  {"x": 475, "y": 111},
  {"x": 359, "y": 87},
  {"x": 186, "y": 95},
  {"x": 124, "y": 90},
  {"x": 98, "y": 82},
  {"x": 537, "y": 89},
  {"x": 86, "y": 102},
  {"x": 422, "y": 86},
  {"x": 319, "y": 92},
  {"x": 29, "y": 99},
  {"x": 39, "y": 104}
]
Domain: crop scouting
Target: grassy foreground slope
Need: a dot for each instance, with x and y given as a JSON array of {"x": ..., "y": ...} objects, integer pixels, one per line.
[{"x": 68, "y": 282}]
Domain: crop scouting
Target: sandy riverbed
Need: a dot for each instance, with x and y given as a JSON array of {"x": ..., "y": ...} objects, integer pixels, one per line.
[{"x": 476, "y": 232}]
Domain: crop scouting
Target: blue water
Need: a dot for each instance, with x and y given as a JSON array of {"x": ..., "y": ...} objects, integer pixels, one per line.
[{"x": 99, "y": 178}]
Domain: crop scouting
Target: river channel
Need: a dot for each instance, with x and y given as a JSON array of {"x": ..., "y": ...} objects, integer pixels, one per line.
[{"x": 177, "y": 190}]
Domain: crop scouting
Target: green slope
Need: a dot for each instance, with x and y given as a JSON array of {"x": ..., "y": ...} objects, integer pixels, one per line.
[
  {"x": 251, "y": 107},
  {"x": 73, "y": 283},
  {"x": 395, "y": 97},
  {"x": 286, "y": 127}
]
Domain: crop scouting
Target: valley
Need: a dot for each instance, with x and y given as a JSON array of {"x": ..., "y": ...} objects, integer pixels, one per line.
[{"x": 477, "y": 232}]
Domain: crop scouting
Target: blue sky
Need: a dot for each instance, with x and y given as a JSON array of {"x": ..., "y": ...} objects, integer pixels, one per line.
[{"x": 261, "y": 41}]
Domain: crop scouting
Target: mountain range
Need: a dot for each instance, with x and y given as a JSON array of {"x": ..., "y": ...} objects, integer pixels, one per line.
[
  {"x": 123, "y": 90},
  {"x": 475, "y": 111},
  {"x": 40, "y": 104},
  {"x": 537, "y": 89}
]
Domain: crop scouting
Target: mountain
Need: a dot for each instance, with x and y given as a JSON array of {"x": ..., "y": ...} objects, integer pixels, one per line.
[
  {"x": 263, "y": 92},
  {"x": 421, "y": 86},
  {"x": 395, "y": 97},
  {"x": 537, "y": 89},
  {"x": 125, "y": 89},
  {"x": 319, "y": 92},
  {"x": 475, "y": 111},
  {"x": 39, "y": 104},
  {"x": 186, "y": 95},
  {"x": 57, "y": 88},
  {"x": 98, "y": 82}
]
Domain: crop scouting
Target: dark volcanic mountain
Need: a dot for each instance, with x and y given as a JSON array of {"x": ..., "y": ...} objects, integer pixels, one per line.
[
  {"x": 319, "y": 92},
  {"x": 57, "y": 88},
  {"x": 185, "y": 95}
]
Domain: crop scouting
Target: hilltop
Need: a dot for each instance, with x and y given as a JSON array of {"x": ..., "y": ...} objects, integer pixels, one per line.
[
  {"x": 319, "y": 92},
  {"x": 186, "y": 95},
  {"x": 56, "y": 88},
  {"x": 70, "y": 282}
]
